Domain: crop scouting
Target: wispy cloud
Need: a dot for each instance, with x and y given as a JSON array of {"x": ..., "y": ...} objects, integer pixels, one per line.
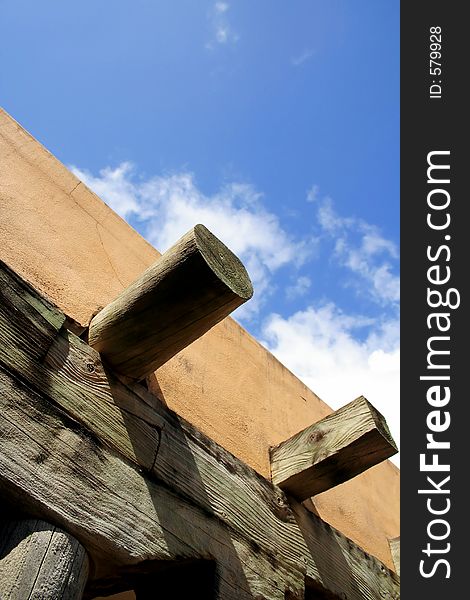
[
  {"x": 167, "y": 207},
  {"x": 222, "y": 32},
  {"x": 313, "y": 192},
  {"x": 300, "y": 59},
  {"x": 361, "y": 248},
  {"x": 115, "y": 186},
  {"x": 299, "y": 289}
]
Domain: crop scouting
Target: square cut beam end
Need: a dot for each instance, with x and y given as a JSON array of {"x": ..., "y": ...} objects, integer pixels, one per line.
[{"x": 342, "y": 445}]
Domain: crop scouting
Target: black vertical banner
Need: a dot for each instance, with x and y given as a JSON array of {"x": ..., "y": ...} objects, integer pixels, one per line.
[{"x": 435, "y": 237}]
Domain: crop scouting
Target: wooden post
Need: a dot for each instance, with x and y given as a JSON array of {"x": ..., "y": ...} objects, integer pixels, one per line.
[
  {"x": 38, "y": 560},
  {"x": 337, "y": 448},
  {"x": 193, "y": 286}
]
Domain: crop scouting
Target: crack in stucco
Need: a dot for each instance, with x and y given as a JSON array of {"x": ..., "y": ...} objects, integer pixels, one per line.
[{"x": 107, "y": 255}]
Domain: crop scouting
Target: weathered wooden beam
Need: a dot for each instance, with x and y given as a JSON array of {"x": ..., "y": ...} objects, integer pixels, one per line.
[
  {"x": 40, "y": 320},
  {"x": 337, "y": 448},
  {"x": 193, "y": 286},
  {"x": 337, "y": 566},
  {"x": 38, "y": 560},
  {"x": 394, "y": 544},
  {"x": 139, "y": 486},
  {"x": 129, "y": 521}
]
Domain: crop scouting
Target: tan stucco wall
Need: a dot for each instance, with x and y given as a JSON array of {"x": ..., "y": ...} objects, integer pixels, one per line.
[{"x": 73, "y": 248}]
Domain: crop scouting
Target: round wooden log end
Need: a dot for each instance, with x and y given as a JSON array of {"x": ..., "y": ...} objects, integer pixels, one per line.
[{"x": 223, "y": 262}]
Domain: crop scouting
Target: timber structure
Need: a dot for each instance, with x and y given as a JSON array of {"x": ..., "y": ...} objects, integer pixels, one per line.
[{"x": 104, "y": 488}]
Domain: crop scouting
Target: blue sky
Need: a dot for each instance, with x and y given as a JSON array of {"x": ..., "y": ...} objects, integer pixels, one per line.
[{"x": 274, "y": 123}]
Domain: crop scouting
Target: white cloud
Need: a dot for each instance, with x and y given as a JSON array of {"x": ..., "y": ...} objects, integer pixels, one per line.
[
  {"x": 222, "y": 31},
  {"x": 300, "y": 288},
  {"x": 302, "y": 58},
  {"x": 312, "y": 194},
  {"x": 113, "y": 185},
  {"x": 221, "y": 7},
  {"x": 362, "y": 249},
  {"x": 340, "y": 356},
  {"x": 374, "y": 244},
  {"x": 169, "y": 206},
  {"x": 328, "y": 219}
]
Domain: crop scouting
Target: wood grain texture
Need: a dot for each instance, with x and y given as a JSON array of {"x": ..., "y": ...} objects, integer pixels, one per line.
[
  {"x": 69, "y": 245},
  {"x": 139, "y": 486},
  {"x": 332, "y": 451},
  {"x": 338, "y": 566},
  {"x": 39, "y": 561},
  {"x": 194, "y": 285},
  {"x": 40, "y": 320},
  {"x": 128, "y": 523},
  {"x": 394, "y": 544}
]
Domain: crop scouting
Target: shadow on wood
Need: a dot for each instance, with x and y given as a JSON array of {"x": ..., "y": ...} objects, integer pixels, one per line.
[
  {"x": 189, "y": 289},
  {"x": 222, "y": 575},
  {"x": 143, "y": 489}
]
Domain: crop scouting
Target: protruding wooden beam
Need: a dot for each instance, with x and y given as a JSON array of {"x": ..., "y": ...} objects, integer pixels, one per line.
[
  {"x": 38, "y": 560},
  {"x": 193, "y": 286},
  {"x": 337, "y": 448},
  {"x": 164, "y": 493},
  {"x": 394, "y": 544}
]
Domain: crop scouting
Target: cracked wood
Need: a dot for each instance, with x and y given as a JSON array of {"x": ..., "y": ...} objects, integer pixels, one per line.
[
  {"x": 39, "y": 560},
  {"x": 332, "y": 451},
  {"x": 138, "y": 485}
]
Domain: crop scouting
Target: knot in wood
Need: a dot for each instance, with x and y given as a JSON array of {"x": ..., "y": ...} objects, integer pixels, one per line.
[{"x": 316, "y": 436}]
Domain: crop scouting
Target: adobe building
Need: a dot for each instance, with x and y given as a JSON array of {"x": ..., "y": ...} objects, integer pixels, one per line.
[{"x": 136, "y": 462}]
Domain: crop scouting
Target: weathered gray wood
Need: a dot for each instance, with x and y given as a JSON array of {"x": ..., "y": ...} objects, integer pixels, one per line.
[
  {"x": 337, "y": 448},
  {"x": 394, "y": 544},
  {"x": 123, "y": 518},
  {"x": 338, "y": 566},
  {"x": 39, "y": 561},
  {"x": 136, "y": 484},
  {"x": 193, "y": 286},
  {"x": 41, "y": 321}
]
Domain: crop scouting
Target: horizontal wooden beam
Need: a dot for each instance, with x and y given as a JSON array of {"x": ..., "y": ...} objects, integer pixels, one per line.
[
  {"x": 39, "y": 319},
  {"x": 128, "y": 519},
  {"x": 38, "y": 560},
  {"x": 194, "y": 285},
  {"x": 333, "y": 450},
  {"x": 139, "y": 486},
  {"x": 337, "y": 566}
]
